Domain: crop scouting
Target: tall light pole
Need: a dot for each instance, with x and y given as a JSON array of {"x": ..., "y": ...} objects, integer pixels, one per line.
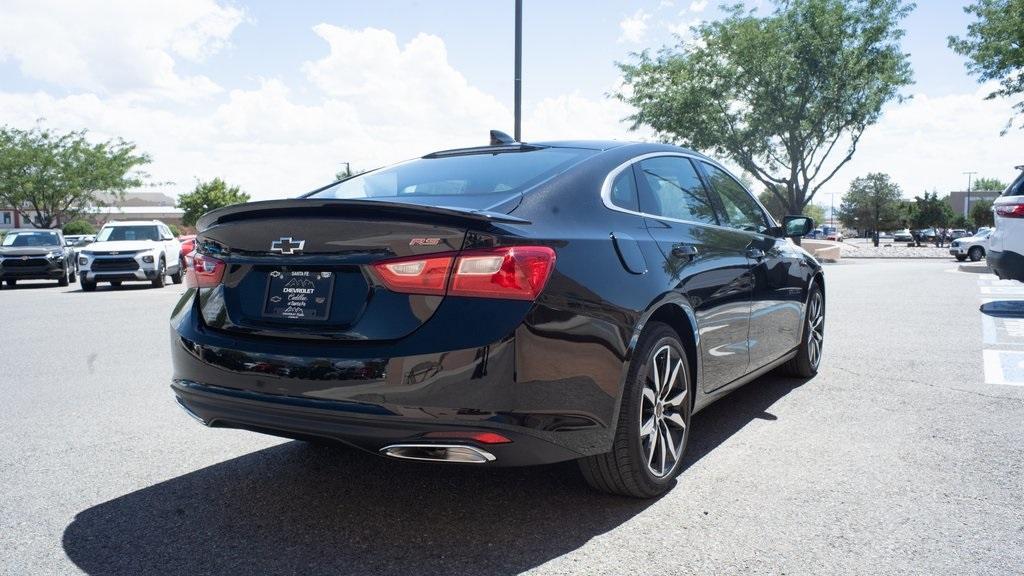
[
  {"x": 967, "y": 206},
  {"x": 519, "y": 72}
]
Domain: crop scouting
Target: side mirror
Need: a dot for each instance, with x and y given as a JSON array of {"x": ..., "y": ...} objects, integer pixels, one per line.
[{"x": 797, "y": 226}]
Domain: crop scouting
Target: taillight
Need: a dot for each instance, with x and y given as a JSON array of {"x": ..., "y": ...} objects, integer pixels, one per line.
[
  {"x": 1010, "y": 210},
  {"x": 516, "y": 272},
  {"x": 513, "y": 272},
  {"x": 415, "y": 276},
  {"x": 205, "y": 272}
]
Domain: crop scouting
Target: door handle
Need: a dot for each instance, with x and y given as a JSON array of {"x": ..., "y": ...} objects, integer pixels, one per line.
[
  {"x": 755, "y": 253},
  {"x": 684, "y": 250}
]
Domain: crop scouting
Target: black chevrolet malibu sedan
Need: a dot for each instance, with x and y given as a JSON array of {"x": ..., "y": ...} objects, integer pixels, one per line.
[
  {"x": 511, "y": 304},
  {"x": 36, "y": 254}
]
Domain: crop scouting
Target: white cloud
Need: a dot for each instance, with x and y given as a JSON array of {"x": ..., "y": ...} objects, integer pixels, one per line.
[
  {"x": 577, "y": 117},
  {"x": 928, "y": 142},
  {"x": 698, "y": 5},
  {"x": 634, "y": 27},
  {"x": 372, "y": 102},
  {"x": 118, "y": 46}
]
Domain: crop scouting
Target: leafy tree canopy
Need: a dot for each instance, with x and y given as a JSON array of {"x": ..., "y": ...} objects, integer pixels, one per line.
[
  {"x": 872, "y": 203},
  {"x": 989, "y": 184},
  {"x": 208, "y": 196},
  {"x": 930, "y": 210},
  {"x": 981, "y": 213},
  {"x": 995, "y": 46},
  {"x": 785, "y": 96},
  {"x": 52, "y": 178}
]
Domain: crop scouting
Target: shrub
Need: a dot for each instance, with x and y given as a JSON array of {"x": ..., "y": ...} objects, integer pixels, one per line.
[{"x": 78, "y": 227}]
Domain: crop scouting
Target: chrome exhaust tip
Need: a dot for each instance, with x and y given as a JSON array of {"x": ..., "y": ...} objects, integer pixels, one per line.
[{"x": 438, "y": 453}]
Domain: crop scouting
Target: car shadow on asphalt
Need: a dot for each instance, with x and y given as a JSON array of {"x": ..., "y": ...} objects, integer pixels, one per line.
[{"x": 308, "y": 509}]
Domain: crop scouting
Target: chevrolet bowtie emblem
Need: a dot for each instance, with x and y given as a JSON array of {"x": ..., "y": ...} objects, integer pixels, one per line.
[{"x": 287, "y": 246}]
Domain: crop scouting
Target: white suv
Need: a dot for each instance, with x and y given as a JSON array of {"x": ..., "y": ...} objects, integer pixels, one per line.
[
  {"x": 131, "y": 251},
  {"x": 1006, "y": 244}
]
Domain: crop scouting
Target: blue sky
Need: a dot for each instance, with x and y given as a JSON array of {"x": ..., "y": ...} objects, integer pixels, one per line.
[{"x": 275, "y": 95}]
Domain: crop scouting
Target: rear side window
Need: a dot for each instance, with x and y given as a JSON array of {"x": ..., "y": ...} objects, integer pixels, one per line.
[
  {"x": 624, "y": 190},
  {"x": 670, "y": 187},
  {"x": 459, "y": 174},
  {"x": 740, "y": 210}
]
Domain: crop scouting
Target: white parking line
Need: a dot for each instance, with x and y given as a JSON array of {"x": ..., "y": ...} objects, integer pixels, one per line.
[{"x": 1005, "y": 367}]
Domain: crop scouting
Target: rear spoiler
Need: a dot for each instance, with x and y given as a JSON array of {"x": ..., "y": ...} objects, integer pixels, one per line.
[{"x": 325, "y": 206}]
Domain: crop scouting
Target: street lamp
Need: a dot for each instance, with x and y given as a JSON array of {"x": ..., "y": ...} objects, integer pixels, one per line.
[{"x": 967, "y": 205}]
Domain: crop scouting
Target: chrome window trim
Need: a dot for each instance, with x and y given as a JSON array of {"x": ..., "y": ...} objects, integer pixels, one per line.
[{"x": 606, "y": 192}]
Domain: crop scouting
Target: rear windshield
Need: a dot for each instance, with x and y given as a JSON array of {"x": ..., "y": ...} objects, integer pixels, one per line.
[
  {"x": 459, "y": 175},
  {"x": 113, "y": 233}
]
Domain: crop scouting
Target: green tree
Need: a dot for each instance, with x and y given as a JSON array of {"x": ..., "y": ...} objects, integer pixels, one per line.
[
  {"x": 989, "y": 184},
  {"x": 961, "y": 221},
  {"x": 787, "y": 96},
  {"x": 871, "y": 204},
  {"x": 930, "y": 210},
  {"x": 995, "y": 47},
  {"x": 208, "y": 196},
  {"x": 52, "y": 178},
  {"x": 348, "y": 172},
  {"x": 78, "y": 227},
  {"x": 981, "y": 213},
  {"x": 778, "y": 211}
]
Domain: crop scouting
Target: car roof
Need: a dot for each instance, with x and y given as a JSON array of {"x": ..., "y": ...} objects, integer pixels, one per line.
[
  {"x": 597, "y": 145},
  {"x": 132, "y": 222}
]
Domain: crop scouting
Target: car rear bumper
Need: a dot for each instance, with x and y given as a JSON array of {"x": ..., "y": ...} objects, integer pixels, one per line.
[
  {"x": 1007, "y": 265},
  {"x": 371, "y": 396},
  {"x": 366, "y": 427}
]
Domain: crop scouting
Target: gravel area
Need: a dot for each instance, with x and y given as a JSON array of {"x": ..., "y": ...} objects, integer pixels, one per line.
[{"x": 862, "y": 248}]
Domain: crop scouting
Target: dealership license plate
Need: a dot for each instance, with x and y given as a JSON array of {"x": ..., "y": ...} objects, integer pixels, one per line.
[{"x": 299, "y": 295}]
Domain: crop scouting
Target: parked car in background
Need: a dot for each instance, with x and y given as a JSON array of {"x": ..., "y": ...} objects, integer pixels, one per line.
[
  {"x": 35, "y": 254},
  {"x": 885, "y": 237},
  {"x": 815, "y": 234},
  {"x": 926, "y": 235},
  {"x": 903, "y": 236},
  {"x": 443, "y": 310},
  {"x": 131, "y": 251},
  {"x": 1006, "y": 243},
  {"x": 973, "y": 247},
  {"x": 188, "y": 245},
  {"x": 832, "y": 233},
  {"x": 958, "y": 233}
]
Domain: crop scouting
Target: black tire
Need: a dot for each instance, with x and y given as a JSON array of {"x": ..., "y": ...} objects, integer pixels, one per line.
[
  {"x": 628, "y": 469},
  {"x": 960, "y": 258},
  {"x": 179, "y": 276},
  {"x": 976, "y": 253},
  {"x": 161, "y": 274},
  {"x": 12, "y": 283},
  {"x": 87, "y": 286},
  {"x": 63, "y": 280},
  {"x": 806, "y": 362},
  {"x": 73, "y": 276}
]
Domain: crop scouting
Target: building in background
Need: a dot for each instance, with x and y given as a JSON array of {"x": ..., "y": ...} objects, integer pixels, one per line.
[
  {"x": 136, "y": 206},
  {"x": 9, "y": 218},
  {"x": 958, "y": 200}
]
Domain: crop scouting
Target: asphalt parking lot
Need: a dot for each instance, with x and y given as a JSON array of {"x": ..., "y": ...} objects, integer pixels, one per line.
[{"x": 904, "y": 455}]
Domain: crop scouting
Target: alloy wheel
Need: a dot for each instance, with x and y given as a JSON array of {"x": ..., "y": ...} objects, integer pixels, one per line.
[
  {"x": 815, "y": 328},
  {"x": 663, "y": 414}
]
